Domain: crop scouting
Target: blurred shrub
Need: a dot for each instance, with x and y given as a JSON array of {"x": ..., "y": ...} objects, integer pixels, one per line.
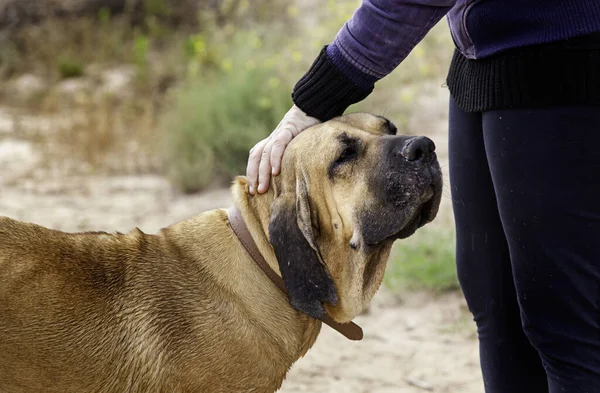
[
  {"x": 113, "y": 34},
  {"x": 70, "y": 68},
  {"x": 214, "y": 87},
  {"x": 236, "y": 90},
  {"x": 425, "y": 260},
  {"x": 224, "y": 107}
]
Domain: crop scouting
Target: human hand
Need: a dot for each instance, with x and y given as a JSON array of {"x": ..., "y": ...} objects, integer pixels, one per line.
[{"x": 265, "y": 156}]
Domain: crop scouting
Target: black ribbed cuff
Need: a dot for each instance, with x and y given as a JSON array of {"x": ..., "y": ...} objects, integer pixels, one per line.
[{"x": 324, "y": 92}]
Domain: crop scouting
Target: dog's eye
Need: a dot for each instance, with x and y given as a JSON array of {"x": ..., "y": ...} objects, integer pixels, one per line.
[
  {"x": 351, "y": 148},
  {"x": 391, "y": 128},
  {"x": 348, "y": 154}
]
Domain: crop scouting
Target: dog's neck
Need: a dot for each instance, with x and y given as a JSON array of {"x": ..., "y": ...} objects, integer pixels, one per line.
[
  {"x": 255, "y": 210},
  {"x": 254, "y": 213}
]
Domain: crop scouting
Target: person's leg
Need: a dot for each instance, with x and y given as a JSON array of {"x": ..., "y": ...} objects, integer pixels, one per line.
[
  {"x": 508, "y": 361},
  {"x": 545, "y": 165}
]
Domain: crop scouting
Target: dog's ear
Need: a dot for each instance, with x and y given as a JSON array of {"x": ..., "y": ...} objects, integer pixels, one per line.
[{"x": 302, "y": 268}]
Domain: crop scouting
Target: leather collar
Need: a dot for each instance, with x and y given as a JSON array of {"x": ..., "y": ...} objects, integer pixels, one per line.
[{"x": 350, "y": 330}]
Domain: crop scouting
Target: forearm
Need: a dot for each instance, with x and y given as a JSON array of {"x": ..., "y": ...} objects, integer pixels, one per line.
[{"x": 380, "y": 34}]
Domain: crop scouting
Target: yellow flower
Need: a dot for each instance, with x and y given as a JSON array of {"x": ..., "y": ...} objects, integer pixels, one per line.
[
  {"x": 193, "y": 69},
  {"x": 226, "y": 4},
  {"x": 255, "y": 42},
  {"x": 419, "y": 52},
  {"x": 270, "y": 62},
  {"x": 406, "y": 96},
  {"x": 199, "y": 45},
  {"x": 273, "y": 83},
  {"x": 264, "y": 103},
  {"x": 226, "y": 65},
  {"x": 243, "y": 6},
  {"x": 424, "y": 69},
  {"x": 292, "y": 11},
  {"x": 331, "y": 5}
]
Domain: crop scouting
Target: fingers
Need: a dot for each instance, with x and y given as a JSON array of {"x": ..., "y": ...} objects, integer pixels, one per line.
[
  {"x": 266, "y": 156},
  {"x": 264, "y": 169},
  {"x": 254, "y": 160},
  {"x": 265, "y": 160},
  {"x": 279, "y": 144}
]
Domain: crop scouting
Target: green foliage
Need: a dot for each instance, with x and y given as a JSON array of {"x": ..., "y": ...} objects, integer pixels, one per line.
[
  {"x": 216, "y": 119},
  {"x": 156, "y": 8},
  {"x": 234, "y": 94},
  {"x": 104, "y": 16},
  {"x": 70, "y": 68},
  {"x": 141, "y": 45},
  {"x": 423, "y": 261}
]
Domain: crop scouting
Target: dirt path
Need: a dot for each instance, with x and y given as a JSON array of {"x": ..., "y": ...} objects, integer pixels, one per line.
[{"x": 421, "y": 345}]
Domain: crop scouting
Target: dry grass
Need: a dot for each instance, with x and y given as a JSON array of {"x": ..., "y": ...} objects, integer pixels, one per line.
[
  {"x": 123, "y": 130},
  {"x": 87, "y": 124},
  {"x": 111, "y": 137}
]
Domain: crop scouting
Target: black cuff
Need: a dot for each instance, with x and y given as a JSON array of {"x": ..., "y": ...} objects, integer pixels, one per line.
[{"x": 324, "y": 92}]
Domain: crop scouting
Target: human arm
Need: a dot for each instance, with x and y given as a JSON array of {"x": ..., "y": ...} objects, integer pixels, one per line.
[{"x": 369, "y": 46}]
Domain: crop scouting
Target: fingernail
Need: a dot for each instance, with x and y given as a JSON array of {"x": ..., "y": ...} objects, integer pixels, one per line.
[
  {"x": 273, "y": 171},
  {"x": 251, "y": 190}
]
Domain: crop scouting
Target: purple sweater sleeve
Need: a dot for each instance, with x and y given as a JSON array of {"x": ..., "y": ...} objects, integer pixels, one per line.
[{"x": 369, "y": 46}]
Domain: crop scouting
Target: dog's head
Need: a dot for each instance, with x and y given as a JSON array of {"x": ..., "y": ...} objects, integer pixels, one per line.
[{"x": 348, "y": 188}]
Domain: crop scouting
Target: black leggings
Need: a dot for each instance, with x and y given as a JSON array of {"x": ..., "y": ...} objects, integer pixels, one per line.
[{"x": 525, "y": 190}]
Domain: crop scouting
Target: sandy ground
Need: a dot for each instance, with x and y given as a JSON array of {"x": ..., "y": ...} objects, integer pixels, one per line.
[
  {"x": 415, "y": 343},
  {"x": 418, "y": 345}
]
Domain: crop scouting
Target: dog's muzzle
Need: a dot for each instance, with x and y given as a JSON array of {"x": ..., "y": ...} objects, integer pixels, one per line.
[{"x": 407, "y": 190}]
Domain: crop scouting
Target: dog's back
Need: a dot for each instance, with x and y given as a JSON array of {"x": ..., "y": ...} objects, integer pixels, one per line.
[
  {"x": 98, "y": 312},
  {"x": 63, "y": 307}
]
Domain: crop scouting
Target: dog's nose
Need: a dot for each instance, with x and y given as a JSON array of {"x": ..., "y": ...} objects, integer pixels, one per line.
[{"x": 419, "y": 148}]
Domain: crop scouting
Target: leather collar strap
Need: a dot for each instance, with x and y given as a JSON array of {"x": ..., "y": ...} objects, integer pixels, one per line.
[{"x": 349, "y": 330}]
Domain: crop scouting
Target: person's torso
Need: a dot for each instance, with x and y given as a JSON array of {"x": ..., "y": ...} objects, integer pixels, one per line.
[{"x": 481, "y": 28}]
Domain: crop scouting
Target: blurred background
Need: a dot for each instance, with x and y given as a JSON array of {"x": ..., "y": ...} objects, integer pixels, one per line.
[{"x": 117, "y": 114}]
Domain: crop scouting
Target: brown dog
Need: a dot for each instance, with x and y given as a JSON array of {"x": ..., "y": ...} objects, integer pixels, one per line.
[{"x": 187, "y": 309}]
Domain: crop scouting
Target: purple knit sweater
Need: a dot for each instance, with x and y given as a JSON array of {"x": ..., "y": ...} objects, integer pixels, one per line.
[{"x": 381, "y": 33}]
